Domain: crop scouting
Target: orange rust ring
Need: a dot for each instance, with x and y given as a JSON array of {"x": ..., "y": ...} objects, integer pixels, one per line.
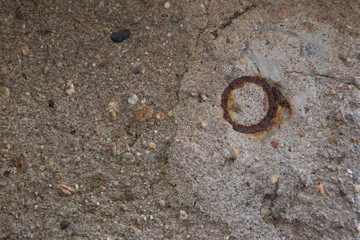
[{"x": 274, "y": 96}]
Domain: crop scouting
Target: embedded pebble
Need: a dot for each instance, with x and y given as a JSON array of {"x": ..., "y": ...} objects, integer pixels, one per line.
[
  {"x": 162, "y": 203},
  {"x": 152, "y": 145},
  {"x": 274, "y": 178},
  {"x": 274, "y": 144},
  {"x": 112, "y": 110},
  {"x": 144, "y": 114},
  {"x": 183, "y": 215},
  {"x": 133, "y": 98},
  {"x": 26, "y": 50},
  {"x": 170, "y": 113},
  {"x": 167, "y": 5},
  {"x": 203, "y": 123},
  {"x": 70, "y": 89},
  {"x": 136, "y": 71},
  {"x": 66, "y": 189},
  {"x": 302, "y": 133},
  {"x": 319, "y": 188},
  {"x": 235, "y": 152},
  {"x": 357, "y": 188},
  {"x": 128, "y": 157},
  {"x": 203, "y": 97},
  {"x": 64, "y": 224},
  {"x": 58, "y": 176},
  {"x": 4, "y": 92},
  {"x": 51, "y": 103},
  {"x": 120, "y": 36},
  {"x": 160, "y": 116}
]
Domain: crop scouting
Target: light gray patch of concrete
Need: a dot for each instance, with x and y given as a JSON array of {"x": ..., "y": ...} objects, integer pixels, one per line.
[{"x": 273, "y": 189}]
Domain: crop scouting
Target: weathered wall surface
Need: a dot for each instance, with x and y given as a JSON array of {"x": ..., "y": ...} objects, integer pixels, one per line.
[
  {"x": 272, "y": 190},
  {"x": 164, "y": 164}
]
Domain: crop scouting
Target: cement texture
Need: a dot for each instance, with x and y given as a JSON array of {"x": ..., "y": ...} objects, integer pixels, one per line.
[{"x": 126, "y": 139}]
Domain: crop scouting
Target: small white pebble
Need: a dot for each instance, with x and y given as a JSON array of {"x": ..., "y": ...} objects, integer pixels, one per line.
[
  {"x": 162, "y": 203},
  {"x": 70, "y": 89},
  {"x": 133, "y": 99},
  {"x": 167, "y": 5}
]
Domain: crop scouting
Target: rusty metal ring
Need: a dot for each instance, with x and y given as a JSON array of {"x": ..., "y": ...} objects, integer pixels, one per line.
[{"x": 274, "y": 96}]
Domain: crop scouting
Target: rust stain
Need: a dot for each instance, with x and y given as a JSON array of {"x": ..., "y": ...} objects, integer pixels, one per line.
[{"x": 274, "y": 98}]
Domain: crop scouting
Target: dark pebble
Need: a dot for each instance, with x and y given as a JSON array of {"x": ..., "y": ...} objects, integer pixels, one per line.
[
  {"x": 120, "y": 36},
  {"x": 136, "y": 71},
  {"x": 175, "y": 19},
  {"x": 7, "y": 173},
  {"x": 51, "y": 103},
  {"x": 64, "y": 224}
]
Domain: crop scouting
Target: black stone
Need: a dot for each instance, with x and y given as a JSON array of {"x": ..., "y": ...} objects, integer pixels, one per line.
[
  {"x": 51, "y": 103},
  {"x": 120, "y": 36},
  {"x": 136, "y": 71},
  {"x": 64, "y": 224},
  {"x": 7, "y": 173}
]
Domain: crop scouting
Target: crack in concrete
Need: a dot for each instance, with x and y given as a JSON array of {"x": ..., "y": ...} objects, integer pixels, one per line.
[{"x": 230, "y": 20}]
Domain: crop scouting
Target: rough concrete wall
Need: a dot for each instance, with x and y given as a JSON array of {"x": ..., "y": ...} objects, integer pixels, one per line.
[{"x": 270, "y": 191}]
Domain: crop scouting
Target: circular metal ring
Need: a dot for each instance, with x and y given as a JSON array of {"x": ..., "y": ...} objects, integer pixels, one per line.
[{"x": 274, "y": 96}]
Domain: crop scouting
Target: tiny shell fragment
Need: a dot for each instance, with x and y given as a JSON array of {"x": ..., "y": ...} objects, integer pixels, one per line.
[
  {"x": 152, "y": 145},
  {"x": 66, "y": 189},
  {"x": 144, "y": 114},
  {"x": 183, "y": 215},
  {"x": 357, "y": 188},
  {"x": 112, "y": 110},
  {"x": 319, "y": 188}
]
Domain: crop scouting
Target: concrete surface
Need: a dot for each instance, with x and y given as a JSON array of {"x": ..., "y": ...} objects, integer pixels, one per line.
[{"x": 193, "y": 177}]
